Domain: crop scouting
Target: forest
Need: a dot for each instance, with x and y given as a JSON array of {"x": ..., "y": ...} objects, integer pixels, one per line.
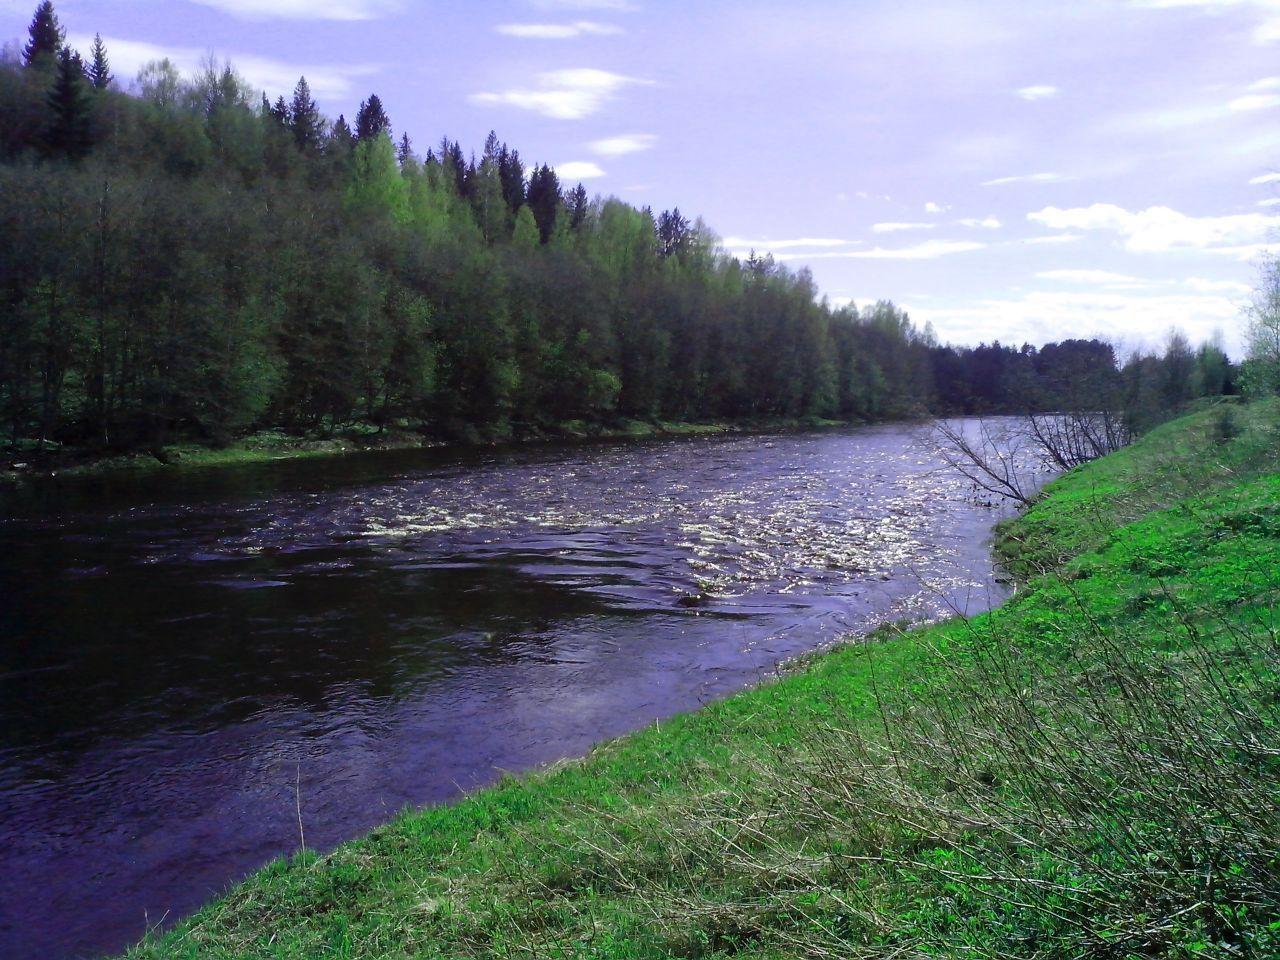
[{"x": 182, "y": 258}]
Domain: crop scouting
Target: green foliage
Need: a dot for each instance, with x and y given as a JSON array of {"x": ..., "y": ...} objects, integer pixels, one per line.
[
  {"x": 160, "y": 83},
  {"x": 190, "y": 264},
  {"x": 525, "y": 235},
  {"x": 377, "y": 188}
]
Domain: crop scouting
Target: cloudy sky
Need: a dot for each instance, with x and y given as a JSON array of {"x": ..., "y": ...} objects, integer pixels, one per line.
[{"x": 1024, "y": 170}]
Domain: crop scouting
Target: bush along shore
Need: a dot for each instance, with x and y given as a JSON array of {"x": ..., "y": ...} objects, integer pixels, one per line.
[{"x": 1090, "y": 770}]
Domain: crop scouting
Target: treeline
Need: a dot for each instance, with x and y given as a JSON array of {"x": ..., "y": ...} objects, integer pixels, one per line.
[
  {"x": 191, "y": 260},
  {"x": 1144, "y": 389}
]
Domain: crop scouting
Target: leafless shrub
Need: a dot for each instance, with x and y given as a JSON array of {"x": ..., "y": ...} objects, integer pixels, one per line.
[
  {"x": 1071, "y": 439},
  {"x": 994, "y": 456},
  {"x": 1009, "y": 457}
]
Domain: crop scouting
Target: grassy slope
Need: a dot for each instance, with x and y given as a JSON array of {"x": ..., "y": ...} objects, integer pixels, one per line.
[{"x": 1090, "y": 770}]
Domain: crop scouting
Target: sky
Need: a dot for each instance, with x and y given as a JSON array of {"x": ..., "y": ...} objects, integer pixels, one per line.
[{"x": 1017, "y": 171}]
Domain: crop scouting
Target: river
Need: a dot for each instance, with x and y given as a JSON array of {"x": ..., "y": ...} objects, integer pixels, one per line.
[{"x": 188, "y": 663}]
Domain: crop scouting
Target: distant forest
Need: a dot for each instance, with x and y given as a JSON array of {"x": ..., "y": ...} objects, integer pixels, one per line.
[{"x": 188, "y": 260}]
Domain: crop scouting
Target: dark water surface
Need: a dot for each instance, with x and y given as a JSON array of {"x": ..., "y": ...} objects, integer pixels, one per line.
[{"x": 182, "y": 661}]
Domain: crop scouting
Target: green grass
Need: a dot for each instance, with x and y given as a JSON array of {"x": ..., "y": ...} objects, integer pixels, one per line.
[
  {"x": 257, "y": 448},
  {"x": 1090, "y": 770}
]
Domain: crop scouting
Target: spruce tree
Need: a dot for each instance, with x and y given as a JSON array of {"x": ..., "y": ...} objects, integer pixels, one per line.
[
  {"x": 341, "y": 140},
  {"x": 100, "y": 69},
  {"x": 577, "y": 204},
  {"x": 280, "y": 111},
  {"x": 492, "y": 149},
  {"x": 470, "y": 176},
  {"x": 405, "y": 151},
  {"x": 70, "y": 132},
  {"x": 511, "y": 170},
  {"x": 46, "y": 37},
  {"x": 674, "y": 235},
  {"x": 304, "y": 118},
  {"x": 544, "y": 200},
  {"x": 372, "y": 121},
  {"x": 339, "y": 149},
  {"x": 455, "y": 162}
]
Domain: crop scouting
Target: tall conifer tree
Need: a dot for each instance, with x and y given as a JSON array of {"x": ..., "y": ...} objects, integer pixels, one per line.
[
  {"x": 304, "y": 118},
  {"x": 100, "y": 68},
  {"x": 372, "y": 120},
  {"x": 544, "y": 200},
  {"x": 511, "y": 170},
  {"x": 341, "y": 140},
  {"x": 70, "y": 132},
  {"x": 280, "y": 111},
  {"x": 45, "y": 37},
  {"x": 577, "y": 204}
]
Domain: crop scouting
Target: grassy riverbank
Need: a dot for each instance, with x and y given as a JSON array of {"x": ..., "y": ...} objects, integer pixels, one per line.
[
  {"x": 38, "y": 462},
  {"x": 1090, "y": 770}
]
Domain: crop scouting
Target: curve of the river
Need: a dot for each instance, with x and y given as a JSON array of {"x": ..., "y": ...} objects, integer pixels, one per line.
[{"x": 182, "y": 664}]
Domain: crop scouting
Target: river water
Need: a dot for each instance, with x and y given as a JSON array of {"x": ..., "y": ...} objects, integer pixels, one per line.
[{"x": 186, "y": 663}]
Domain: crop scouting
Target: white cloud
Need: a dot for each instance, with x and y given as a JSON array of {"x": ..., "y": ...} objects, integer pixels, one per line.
[
  {"x": 305, "y": 9},
  {"x": 1205, "y": 4},
  {"x": 1055, "y": 238},
  {"x": 985, "y": 223},
  {"x": 1162, "y": 229},
  {"x": 623, "y": 144},
  {"x": 1028, "y": 178},
  {"x": 1265, "y": 178},
  {"x": 1202, "y": 285},
  {"x": 1037, "y": 92},
  {"x": 578, "y": 170},
  {"x": 564, "y": 94},
  {"x": 1273, "y": 202},
  {"x": 932, "y": 207},
  {"x": 1266, "y": 31},
  {"x": 1176, "y": 118},
  {"x": 1262, "y": 94},
  {"x": 273, "y": 76},
  {"x": 740, "y": 243},
  {"x": 899, "y": 227},
  {"x": 1092, "y": 277},
  {"x": 557, "y": 31},
  {"x": 929, "y": 250},
  {"x": 1254, "y": 101},
  {"x": 620, "y": 5}
]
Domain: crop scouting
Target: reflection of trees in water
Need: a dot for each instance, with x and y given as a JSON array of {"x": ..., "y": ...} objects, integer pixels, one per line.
[{"x": 203, "y": 654}]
